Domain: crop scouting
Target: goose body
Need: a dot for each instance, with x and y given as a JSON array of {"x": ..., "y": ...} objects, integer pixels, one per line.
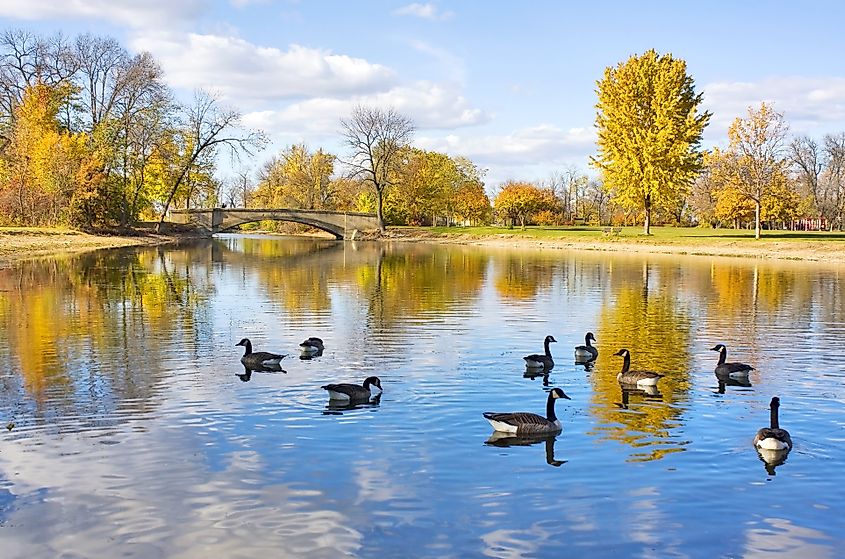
[
  {"x": 353, "y": 392},
  {"x": 773, "y": 437},
  {"x": 311, "y": 346},
  {"x": 586, "y": 353},
  {"x": 734, "y": 370},
  {"x": 257, "y": 359},
  {"x": 527, "y": 423},
  {"x": 538, "y": 361},
  {"x": 638, "y": 378}
]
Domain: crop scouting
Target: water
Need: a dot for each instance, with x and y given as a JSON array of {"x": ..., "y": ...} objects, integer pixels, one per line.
[{"x": 133, "y": 429}]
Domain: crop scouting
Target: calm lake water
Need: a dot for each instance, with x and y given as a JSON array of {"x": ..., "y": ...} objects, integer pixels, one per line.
[{"x": 133, "y": 430}]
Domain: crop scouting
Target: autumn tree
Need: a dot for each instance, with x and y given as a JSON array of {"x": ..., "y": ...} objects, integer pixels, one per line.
[
  {"x": 297, "y": 178},
  {"x": 470, "y": 202},
  {"x": 208, "y": 128},
  {"x": 375, "y": 138},
  {"x": 518, "y": 201},
  {"x": 754, "y": 160},
  {"x": 649, "y": 132},
  {"x": 834, "y": 176}
]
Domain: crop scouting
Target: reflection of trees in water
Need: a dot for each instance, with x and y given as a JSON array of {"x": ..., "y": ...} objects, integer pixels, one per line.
[
  {"x": 79, "y": 329},
  {"x": 645, "y": 317},
  {"x": 520, "y": 276}
]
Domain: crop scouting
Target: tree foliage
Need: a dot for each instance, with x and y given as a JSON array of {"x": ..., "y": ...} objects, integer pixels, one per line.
[{"x": 649, "y": 131}]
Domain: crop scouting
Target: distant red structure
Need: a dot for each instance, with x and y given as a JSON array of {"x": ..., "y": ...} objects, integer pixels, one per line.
[{"x": 810, "y": 224}]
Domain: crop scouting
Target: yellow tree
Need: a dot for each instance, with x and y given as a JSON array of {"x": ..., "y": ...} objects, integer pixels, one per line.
[
  {"x": 754, "y": 162},
  {"x": 649, "y": 132},
  {"x": 519, "y": 200}
]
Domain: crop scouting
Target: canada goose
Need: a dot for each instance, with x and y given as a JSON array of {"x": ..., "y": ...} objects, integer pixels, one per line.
[
  {"x": 773, "y": 437},
  {"x": 353, "y": 392},
  {"x": 258, "y": 358},
  {"x": 526, "y": 423},
  {"x": 311, "y": 346},
  {"x": 586, "y": 353},
  {"x": 736, "y": 370},
  {"x": 640, "y": 378},
  {"x": 537, "y": 361}
]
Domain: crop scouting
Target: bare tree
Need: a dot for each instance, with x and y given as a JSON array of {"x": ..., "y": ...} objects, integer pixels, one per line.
[
  {"x": 27, "y": 59},
  {"x": 208, "y": 128},
  {"x": 376, "y": 137},
  {"x": 807, "y": 159},
  {"x": 834, "y": 147}
]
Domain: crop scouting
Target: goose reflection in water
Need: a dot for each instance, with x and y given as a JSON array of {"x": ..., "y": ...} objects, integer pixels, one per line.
[
  {"x": 650, "y": 393},
  {"x": 246, "y": 376},
  {"x": 533, "y": 374},
  {"x": 588, "y": 365},
  {"x": 337, "y": 407},
  {"x": 726, "y": 380},
  {"x": 507, "y": 440},
  {"x": 771, "y": 459}
]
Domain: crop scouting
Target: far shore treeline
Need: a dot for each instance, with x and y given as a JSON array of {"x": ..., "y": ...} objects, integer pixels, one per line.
[{"x": 92, "y": 137}]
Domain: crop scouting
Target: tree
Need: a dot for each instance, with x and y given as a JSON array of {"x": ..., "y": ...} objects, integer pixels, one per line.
[
  {"x": 834, "y": 147},
  {"x": 208, "y": 127},
  {"x": 470, "y": 202},
  {"x": 376, "y": 138},
  {"x": 754, "y": 160},
  {"x": 519, "y": 200},
  {"x": 649, "y": 132}
]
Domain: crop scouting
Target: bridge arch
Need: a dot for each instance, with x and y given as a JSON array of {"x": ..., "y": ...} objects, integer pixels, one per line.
[{"x": 339, "y": 224}]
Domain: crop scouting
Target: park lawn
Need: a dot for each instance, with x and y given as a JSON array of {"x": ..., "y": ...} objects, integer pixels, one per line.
[{"x": 691, "y": 235}]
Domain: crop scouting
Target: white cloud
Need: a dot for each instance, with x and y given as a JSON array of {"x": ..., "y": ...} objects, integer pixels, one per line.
[
  {"x": 429, "y": 105},
  {"x": 447, "y": 62},
  {"x": 132, "y": 13},
  {"x": 424, "y": 11},
  {"x": 535, "y": 145},
  {"x": 243, "y": 71},
  {"x": 808, "y": 104}
]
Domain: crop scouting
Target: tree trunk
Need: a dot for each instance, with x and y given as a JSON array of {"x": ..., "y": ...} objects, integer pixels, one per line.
[
  {"x": 756, "y": 219},
  {"x": 647, "y": 226},
  {"x": 379, "y": 210}
]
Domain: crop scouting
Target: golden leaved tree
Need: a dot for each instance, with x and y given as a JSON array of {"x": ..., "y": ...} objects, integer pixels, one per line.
[
  {"x": 649, "y": 132},
  {"x": 753, "y": 167}
]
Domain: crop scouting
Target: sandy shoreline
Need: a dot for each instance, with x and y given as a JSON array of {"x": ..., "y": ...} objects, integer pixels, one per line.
[
  {"x": 22, "y": 243},
  {"x": 18, "y": 243}
]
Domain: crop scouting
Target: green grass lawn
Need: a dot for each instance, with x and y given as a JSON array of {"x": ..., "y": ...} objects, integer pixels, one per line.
[{"x": 691, "y": 235}]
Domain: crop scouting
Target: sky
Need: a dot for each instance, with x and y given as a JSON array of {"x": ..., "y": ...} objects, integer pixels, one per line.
[{"x": 510, "y": 85}]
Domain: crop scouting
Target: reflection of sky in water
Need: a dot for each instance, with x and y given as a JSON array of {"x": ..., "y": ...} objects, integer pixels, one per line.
[{"x": 137, "y": 436}]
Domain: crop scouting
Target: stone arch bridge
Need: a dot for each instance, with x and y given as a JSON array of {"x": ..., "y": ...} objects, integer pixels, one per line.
[{"x": 340, "y": 224}]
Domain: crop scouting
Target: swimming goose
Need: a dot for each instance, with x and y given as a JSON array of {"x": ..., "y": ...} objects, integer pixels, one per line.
[
  {"x": 258, "y": 358},
  {"x": 736, "y": 370},
  {"x": 773, "y": 437},
  {"x": 526, "y": 423},
  {"x": 586, "y": 353},
  {"x": 640, "y": 378},
  {"x": 353, "y": 392},
  {"x": 311, "y": 346},
  {"x": 537, "y": 361}
]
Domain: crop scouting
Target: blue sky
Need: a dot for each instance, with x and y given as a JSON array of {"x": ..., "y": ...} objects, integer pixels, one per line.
[{"x": 511, "y": 85}]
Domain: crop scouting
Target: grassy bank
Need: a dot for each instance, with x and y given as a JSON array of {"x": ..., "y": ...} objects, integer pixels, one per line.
[{"x": 792, "y": 245}]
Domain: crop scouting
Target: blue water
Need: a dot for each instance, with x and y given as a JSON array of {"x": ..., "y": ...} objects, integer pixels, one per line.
[{"x": 133, "y": 431}]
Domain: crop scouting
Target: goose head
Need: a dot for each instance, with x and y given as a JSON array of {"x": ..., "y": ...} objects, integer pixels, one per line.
[
  {"x": 372, "y": 381},
  {"x": 719, "y": 348},
  {"x": 244, "y": 342},
  {"x": 589, "y": 337},
  {"x": 623, "y": 353},
  {"x": 549, "y": 339},
  {"x": 556, "y": 393}
]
